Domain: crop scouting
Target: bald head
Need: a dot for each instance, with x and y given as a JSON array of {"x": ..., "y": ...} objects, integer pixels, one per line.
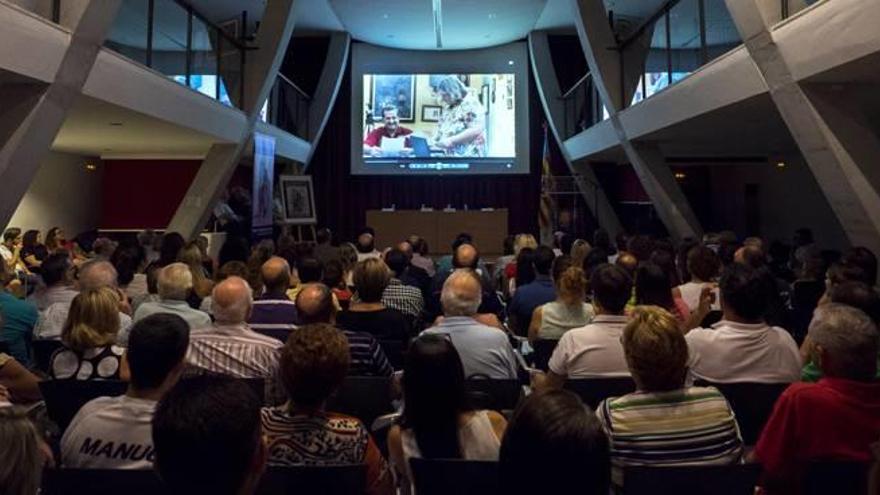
[
  {"x": 232, "y": 301},
  {"x": 462, "y": 293},
  {"x": 749, "y": 255},
  {"x": 628, "y": 262},
  {"x": 97, "y": 274},
  {"x": 466, "y": 256},
  {"x": 314, "y": 304},
  {"x": 406, "y": 248},
  {"x": 365, "y": 243},
  {"x": 275, "y": 273}
]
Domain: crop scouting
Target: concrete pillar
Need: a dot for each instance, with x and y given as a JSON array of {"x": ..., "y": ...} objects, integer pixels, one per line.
[
  {"x": 29, "y": 144},
  {"x": 329, "y": 82},
  {"x": 842, "y": 180},
  {"x": 218, "y": 166},
  {"x": 551, "y": 100}
]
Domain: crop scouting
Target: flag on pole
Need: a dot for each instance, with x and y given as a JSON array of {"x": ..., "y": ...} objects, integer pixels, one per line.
[{"x": 548, "y": 205}]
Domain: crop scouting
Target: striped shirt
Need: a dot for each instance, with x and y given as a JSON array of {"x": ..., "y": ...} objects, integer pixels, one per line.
[
  {"x": 404, "y": 298},
  {"x": 237, "y": 351},
  {"x": 273, "y": 316},
  {"x": 367, "y": 357},
  {"x": 691, "y": 426}
]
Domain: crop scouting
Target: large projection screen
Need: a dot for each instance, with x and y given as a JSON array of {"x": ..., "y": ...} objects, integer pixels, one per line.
[{"x": 408, "y": 90}]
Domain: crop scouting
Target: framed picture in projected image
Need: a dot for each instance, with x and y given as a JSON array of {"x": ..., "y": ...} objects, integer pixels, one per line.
[
  {"x": 299, "y": 199},
  {"x": 397, "y": 90}
]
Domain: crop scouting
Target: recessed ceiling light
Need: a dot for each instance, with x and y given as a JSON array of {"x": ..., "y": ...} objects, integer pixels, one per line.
[
  {"x": 91, "y": 167},
  {"x": 780, "y": 165},
  {"x": 510, "y": 62},
  {"x": 492, "y": 16},
  {"x": 384, "y": 16}
]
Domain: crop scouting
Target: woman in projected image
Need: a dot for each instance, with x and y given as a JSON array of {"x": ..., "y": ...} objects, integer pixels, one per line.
[{"x": 461, "y": 131}]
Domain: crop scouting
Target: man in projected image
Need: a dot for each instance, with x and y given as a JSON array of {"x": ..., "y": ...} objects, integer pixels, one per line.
[
  {"x": 461, "y": 131},
  {"x": 391, "y": 129}
]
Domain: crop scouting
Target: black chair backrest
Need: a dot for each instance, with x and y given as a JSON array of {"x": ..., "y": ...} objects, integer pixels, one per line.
[
  {"x": 364, "y": 397},
  {"x": 258, "y": 385},
  {"x": 493, "y": 394},
  {"x": 543, "y": 350},
  {"x": 736, "y": 479},
  {"x": 446, "y": 476},
  {"x": 752, "y": 403},
  {"x": 43, "y": 350},
  {"x": 837, "y": 477},
  {"x": 326, "y": 480},
  {"x": 101, "y": 482},
  {"x": 4, "y": 347},
  {"x": 593, "y": 391},
  {"x": 65, "y": 397}
]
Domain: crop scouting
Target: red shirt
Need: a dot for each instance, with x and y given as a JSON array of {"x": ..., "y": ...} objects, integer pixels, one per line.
[
  {"x": 834, "y": 419},
  {"x": 374, "y": 138}
]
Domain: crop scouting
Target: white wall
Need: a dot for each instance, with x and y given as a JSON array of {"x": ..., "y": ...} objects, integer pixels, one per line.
[{"x": 63, "y": 194}]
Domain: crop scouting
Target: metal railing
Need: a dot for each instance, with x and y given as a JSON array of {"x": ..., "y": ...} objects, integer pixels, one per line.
[
  {"x": 582, "y": 107},
  {"x": 289, "y": 107}
]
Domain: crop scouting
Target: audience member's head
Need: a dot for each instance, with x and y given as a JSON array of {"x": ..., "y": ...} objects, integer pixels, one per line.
[
  {"x": 207, "y": 437},
  {"x": 12, "y": 235},
  {"x": 703, "y": 264},
  {"x": 655, "y": 349},
  {"x": 406, "y": 248},
  {"x": 397, "y": 260},
  {"x": 104, "y": 248},
  {"x": 653, "y": 287},
  {"x": 314, "y": 362},
  {"x": 579, "y": 251},
  {"x": 628, "y": 262},
  {"x": 525, "y": 266},
  {"x": 744, "y": 295},
  {"x": 309, "y": 270},
  {"x": 665, "y": 259},
  {"x": 566, "y": 241},
  {"x": 365, "y": 243},
  {"x": 334, "y": 275},
  {"x": 601, "y": 239},
  {"x": 275, "y": 273},
  {"x": 314, "y": 304},
  {"x": 323, "y": 236},
  {"x": 844, "y": 342},
  {"x": 640, "y": 246},
  {"x": 465, "y": 256},
  {"x": 570, "y": 282},
  {"x": 865, "y": 259},
  {"x": 595, "y": 258},
  {"x": 544, "y": 257},
  {"x": 507, "y": 245},
  {"x": 434, "y": 396},
  {"x": 93, "y": 320},
  {"x": 727, "y": 253},
  {"x": 172, "y": 243},
  {"x": 839, "y": 273},
  {"x": 681, "y": 257},
  {"x": 755, "y": 242},
  {"x": 461, "y": 294},
  {"x": 55, "y": 239},
  {"x": 419, "y": 245},
  {"x": 156, "y": 349},
  {"x": 235, "y": 248},
  {"x": 97, "y": 274},
  {"x": 22, "y": 465},
  {"x": 348, "y": 256},
  {"x": 462, "y": 238},
  {"x": 30, "y": 239},
  {"x": 522, "y": 241},
  {"x": 858, "y": 295},
  {"x": 175, "y": 282},
  {"x": 554, "y": 434},
  {"x": 750, "y": 256},
  {"x": 232, "y": 301},
  {"x": 370, "y": 278},
  {"x": 611, "y": 287},
  {"x": 128, "y": 258},
  {"x": 56, "y": 269},
  {"x": 231, "y": 269}
]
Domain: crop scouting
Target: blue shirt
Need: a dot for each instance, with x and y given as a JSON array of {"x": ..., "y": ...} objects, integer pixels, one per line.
[
  {"x": 527, "y": 298},
  {"x": 273, "y": 316},
  {"x": 484, "y": 350},
  {"x": 19, "y": 318}
]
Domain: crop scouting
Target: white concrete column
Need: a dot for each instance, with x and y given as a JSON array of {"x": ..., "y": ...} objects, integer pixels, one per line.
[
  {"x": 551, "y": 100},
  {"x": 845, "y": 186},
  {"x": 218, "y": 166},
  {"x": 329, "y": 82},
  {"x": 29, "y": 144}
]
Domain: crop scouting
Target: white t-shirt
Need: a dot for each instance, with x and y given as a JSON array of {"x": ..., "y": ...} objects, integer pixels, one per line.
[
  {"x": 738, "y": 352},
  {"x": 110, "y": 433},
  {"x": 593, "y": 351}
]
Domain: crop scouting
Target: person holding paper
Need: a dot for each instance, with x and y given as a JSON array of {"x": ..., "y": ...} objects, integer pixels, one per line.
[{"x": 391, "y": 129}]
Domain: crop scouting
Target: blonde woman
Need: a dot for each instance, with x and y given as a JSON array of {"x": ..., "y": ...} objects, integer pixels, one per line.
[
  {"x": 89, "y": 337},
  {"x": 552, "y": 320},
  {"x": 191, "y": 256},
  {"x": 520, "y": 242},
  {"x": 579, "y": 251},
  {"x": 21, "y": 449}
]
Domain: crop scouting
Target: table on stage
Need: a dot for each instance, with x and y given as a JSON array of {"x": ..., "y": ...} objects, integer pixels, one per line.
[{"x": 439, "y": 228}]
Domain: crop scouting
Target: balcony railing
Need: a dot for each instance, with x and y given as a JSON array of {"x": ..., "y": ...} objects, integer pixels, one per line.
[
  {"x": 288, "y": 107},
  {"x": 582, "y": 107}
]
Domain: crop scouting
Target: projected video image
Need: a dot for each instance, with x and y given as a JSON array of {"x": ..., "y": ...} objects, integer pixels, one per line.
[{"x": 414, "y": 117}]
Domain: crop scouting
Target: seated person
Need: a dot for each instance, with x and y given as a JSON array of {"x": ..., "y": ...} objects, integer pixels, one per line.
[
  {"x": 568, "y": 311},
  {"x": 533, "y": 294},
  {"x": 594, "y": 351},
  {"x": 553, "y": 434},
  {"x": 19, "y": 316},
  {"x": 837, "y": 418},
  {"x": 465, "y": 256},
  {"x": 484, "y": 350},
  {"x": 115, "y": 432},
  {"x": 22, "y": 450},
  {"x": 391, "y": 129},
  {"x": 175, "y": 286},
  {"x": 22, "y": 386},
  {"x": 301, "y": 432},
  {"x": 207, "y": 438},
  {"x": 367, "y": 313},
  {"x": 665, "y": 422},
  {"x": 89, "y": 337},
  {"x": 436, "y": 422},
  {"x": 274, "y": 314},
  {"x": 742, "y": 347}
]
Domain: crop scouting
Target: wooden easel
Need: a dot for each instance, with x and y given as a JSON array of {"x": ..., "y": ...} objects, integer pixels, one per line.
[{"x": 309, "y": 228}]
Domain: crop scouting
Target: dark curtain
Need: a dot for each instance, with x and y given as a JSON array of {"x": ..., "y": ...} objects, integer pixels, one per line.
[{"x": 342, "y": 199}]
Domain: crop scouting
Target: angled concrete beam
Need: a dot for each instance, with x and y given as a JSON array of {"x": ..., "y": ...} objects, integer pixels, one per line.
[
  {"x": 329, "y": 82},
  {"x": 25, "y": 149},
  {"x": 600, "y": 48},
  {"x": 845, "y": 186},
  {"x": 551, "y": 99},
  {"x": 261, "y": 70},
  {"x": 634, "y": 57}
]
